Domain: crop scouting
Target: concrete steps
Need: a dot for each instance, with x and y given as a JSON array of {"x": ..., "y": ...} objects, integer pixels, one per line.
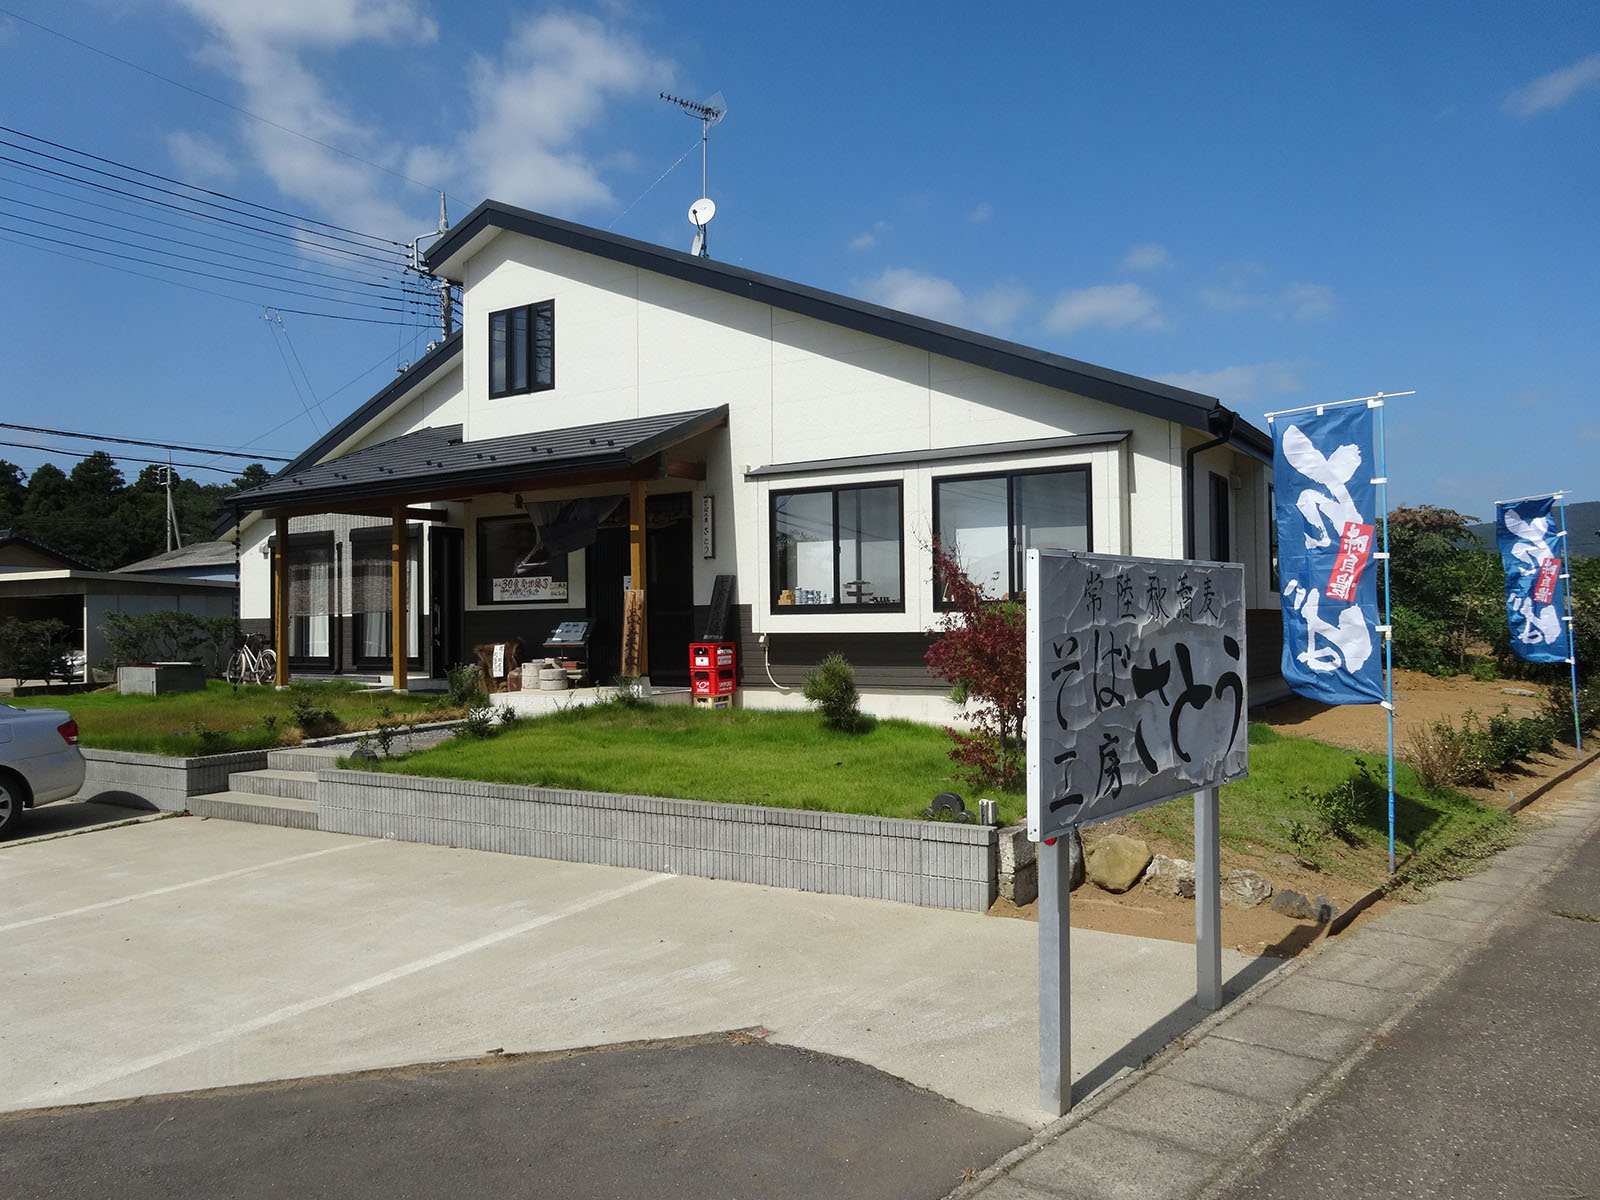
[
  {"x": 296, "y": 785},
  {"x": 309, "y": 759},
  {"x": 285, "y": 811}
]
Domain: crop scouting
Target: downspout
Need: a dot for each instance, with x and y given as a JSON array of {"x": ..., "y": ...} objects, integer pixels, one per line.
[{"x": 1220, "y": 420}]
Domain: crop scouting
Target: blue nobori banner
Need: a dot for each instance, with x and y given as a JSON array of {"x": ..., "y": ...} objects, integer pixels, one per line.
[
  {"x": 1536, "y": 595},
  {"x": 1327, "y": 536}
]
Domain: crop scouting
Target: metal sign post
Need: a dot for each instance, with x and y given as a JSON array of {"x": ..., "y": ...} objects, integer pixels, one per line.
[{"x": 1136, "y": 695}]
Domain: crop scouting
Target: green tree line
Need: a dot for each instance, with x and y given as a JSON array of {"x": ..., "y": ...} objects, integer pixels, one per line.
[{"x": 95, "y": 515}]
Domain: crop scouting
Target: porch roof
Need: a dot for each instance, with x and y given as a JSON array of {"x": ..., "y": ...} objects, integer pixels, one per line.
[{"x": 436, "y": 463}]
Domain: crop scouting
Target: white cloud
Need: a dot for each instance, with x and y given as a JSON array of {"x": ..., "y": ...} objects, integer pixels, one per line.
[
  {"x": 1555, "y": 89},
  {"x": 1147, "y": 256},
  {"x": 1111, "y": 306},
  {"x": 868, "y": 240},
  {"x": 553, "y": 81},
  {"x": 550, "y": 82},
  {"x": 1241, "y": 385},
  {"x": 993, "y": 310},
  {"x": 1243, "y": 286},
  {"x": 200, "y": 157},
  {"x": 982, "y": 213},
  {"x": 1309, "y": 301}
]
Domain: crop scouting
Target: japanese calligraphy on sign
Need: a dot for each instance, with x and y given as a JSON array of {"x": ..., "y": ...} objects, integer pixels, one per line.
[
  {"x": 1535, "y": 593},
  {"x": 1136, "y": 684},
  {"x": 528, "y": 587}
]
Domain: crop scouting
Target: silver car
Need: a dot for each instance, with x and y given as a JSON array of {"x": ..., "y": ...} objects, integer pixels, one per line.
[{"x": 39, "y": 760}]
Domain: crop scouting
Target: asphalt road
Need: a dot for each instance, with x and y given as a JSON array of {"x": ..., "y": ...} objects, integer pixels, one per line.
[
  {"x": 1491, "y": 1088},
  {"x": 723, "y": 1116}
]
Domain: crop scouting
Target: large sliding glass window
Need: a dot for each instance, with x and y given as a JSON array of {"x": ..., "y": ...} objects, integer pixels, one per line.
[
  {"x": 371, "y": 592},
  {"x": 310, "y": 599},
  {"x": 988, "y": 521},
  {"x": 838, "y": 549}
]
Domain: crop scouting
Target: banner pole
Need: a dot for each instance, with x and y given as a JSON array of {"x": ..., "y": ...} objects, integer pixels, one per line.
[
  {"x": 1572, "y": 629},
  {"x": 1388, "y": 619}
]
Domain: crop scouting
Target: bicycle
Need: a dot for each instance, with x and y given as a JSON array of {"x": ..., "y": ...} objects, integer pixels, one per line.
[{"x": 252, "y": 665}]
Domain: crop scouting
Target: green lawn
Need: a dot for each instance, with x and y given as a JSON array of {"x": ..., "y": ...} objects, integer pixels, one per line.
[
  {"x": 224, "y": 717},
  {"x": 740, "y": 756},
  {"x": 789, "y": 760}
]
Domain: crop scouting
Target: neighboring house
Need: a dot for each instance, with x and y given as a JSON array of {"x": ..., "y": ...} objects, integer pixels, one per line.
[
  {"x": 19, "y": 552},
  {"x": 198, "y": 560},
  {"x": 667, "y": 420}
]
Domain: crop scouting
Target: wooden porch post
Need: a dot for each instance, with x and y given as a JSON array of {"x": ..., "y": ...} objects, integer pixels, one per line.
[
  {"x": 397, "y": 598},
  {"x": 280, "y": 602},
  {"x": 636, "y": 566}
]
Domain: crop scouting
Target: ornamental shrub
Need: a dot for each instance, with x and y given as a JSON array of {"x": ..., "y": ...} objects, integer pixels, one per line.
[
  {"x": 980, "y": 649},
  {"x": 831, "y": 687}
]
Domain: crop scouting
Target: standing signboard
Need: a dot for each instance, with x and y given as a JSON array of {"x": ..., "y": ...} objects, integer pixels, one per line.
[{"x": 1136, "y": 695}]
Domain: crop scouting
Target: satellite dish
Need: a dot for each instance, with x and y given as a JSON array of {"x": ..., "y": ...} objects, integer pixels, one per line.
[{"x": 701, "y": 212}]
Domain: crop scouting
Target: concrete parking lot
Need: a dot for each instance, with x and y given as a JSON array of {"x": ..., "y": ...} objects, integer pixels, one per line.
[{"x": 182, "y": 954}]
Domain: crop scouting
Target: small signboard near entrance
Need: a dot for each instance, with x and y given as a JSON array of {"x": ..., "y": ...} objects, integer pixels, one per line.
[{"x": 1136, "y": 684}]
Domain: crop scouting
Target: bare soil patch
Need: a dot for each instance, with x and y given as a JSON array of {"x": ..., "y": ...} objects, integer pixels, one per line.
[{"x": 1419, "y": 700}]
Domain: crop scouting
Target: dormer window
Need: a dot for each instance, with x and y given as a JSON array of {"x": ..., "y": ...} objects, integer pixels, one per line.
[{"x": 522, "y": 350}]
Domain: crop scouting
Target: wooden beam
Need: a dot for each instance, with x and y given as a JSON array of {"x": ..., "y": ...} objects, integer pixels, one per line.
[
  {"x": 636, "y": 566},
  {"x": 397, "y": 595},
  {"x": 678, "y": 468},
  {"x": 280, "y": 602}
]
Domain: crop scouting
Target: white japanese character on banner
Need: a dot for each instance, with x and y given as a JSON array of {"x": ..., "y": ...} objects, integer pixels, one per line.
[
  {"x": 1334, "y": 472},
  {"x": 1349, "y": 643},
  {"x": 1540, "y": 625}
]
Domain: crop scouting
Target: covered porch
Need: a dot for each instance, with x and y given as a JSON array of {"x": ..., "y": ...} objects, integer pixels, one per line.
[{"x": 488, "y": 541}]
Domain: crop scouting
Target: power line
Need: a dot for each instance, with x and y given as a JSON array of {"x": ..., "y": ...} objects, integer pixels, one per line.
[
  {"x": 318, "y": 293},
  {"x": 309, "y": 234},
  {"x": 225, "y": 104},
  {"x": 105, "y": 437},
  {"x": 299, "y": 312},
  {"x": 386, "y": 282},
  {"x": 193, "y": 187},
  {"x": 120, "y": 457}
]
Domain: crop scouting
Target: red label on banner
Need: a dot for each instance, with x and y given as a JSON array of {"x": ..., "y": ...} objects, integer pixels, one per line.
[
  {"x": 1355, "y": 547},
  {"x": 1544, "y": 587}
]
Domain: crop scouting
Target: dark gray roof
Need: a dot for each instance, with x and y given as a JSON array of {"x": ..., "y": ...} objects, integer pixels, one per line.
[
  {"x": 11, "y": 536},
  {"x": 1010, "y": 358},
  {"x": 437, "y": 460},
  {"x": 194, "y": 555}
]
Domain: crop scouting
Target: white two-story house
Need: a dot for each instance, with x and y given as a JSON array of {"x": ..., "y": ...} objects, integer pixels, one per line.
[{"x": 616, "y": 415}]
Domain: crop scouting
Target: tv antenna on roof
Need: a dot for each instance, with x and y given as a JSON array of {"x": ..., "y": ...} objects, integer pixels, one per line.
[{"x": 708, "y": 114}]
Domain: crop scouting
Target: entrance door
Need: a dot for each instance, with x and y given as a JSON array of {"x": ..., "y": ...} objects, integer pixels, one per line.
[
  {"x": 670, "y": 594},
  {"x": 446, "y": 597}
]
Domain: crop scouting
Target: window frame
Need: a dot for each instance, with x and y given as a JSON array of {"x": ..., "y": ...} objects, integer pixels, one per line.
[
  {"x": 833, "y": 489},
  {"x": 482, "y": 587},
  {"x": 546, "y": 308},
  {"x": 940, "y": 604},
  {"x": 363, "y": 536}
]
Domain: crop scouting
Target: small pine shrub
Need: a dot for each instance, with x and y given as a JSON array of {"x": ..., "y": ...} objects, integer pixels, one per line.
[
  {"x": 313, "y": 719},
  {"x": 478, "y": 726},
  {"x": 466, "y": 687},
  {"x": 831, "y": 687}
]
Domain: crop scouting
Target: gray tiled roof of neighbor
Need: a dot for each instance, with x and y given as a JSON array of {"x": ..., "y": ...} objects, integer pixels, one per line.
[
  {"x": 196, "y": 554},
  {"x": 437, "y": 458},
  {"x": 1149, "y": 396}
]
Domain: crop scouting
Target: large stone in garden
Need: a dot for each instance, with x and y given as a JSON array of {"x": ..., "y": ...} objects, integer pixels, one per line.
[
  {"x": 1170, "y": 877},
  {"x": 1292, "y": 904},
  {"x": 1247, "y": 888},
  {"x": 1117, "y": 863}
]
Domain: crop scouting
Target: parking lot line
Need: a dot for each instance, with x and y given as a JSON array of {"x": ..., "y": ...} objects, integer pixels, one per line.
[
  {"x": 178, "y": 887},
  {"x": 56, "y": 1093}
]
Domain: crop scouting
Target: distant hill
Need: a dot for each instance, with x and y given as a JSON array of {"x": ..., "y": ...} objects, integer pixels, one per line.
[{"x": 1583, "y": 529}]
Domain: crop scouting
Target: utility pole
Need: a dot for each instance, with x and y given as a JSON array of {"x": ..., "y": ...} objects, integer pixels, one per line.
[
  {"x": 174, "y": 534},
  {"x": 445, "y": 306}
]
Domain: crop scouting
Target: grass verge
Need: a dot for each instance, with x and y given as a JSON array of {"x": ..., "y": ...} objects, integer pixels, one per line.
[
  {"x": 1295, "y": 785},
  {"x": 226, "y": 717}
]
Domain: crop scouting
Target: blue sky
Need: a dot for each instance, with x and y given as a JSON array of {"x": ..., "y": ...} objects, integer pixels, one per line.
[{"x": 1275, "y": 204}]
